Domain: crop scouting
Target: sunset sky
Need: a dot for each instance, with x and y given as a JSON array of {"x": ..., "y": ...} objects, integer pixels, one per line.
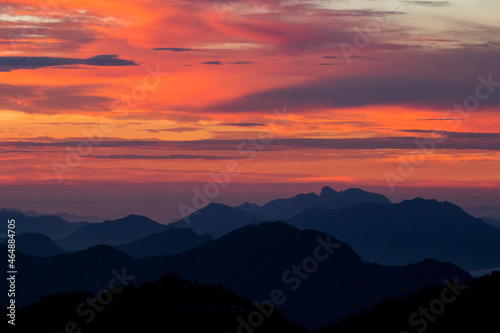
[{"x": 116, "y": 107}]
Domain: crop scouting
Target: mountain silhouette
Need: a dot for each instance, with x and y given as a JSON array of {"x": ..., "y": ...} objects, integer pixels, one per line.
[
  {"x": 410, "y": 232},
  {"x": 217, "y": 219},
  {"x": 253, "y": 262},
  {"x": 36, "y": 244},
  {"x": 170, "y": 303},
  {"x": 328, "y": 199},
  {"x": 474, "y": 309},
  {"x": 65, "y": 216},
  {"x": 53, "y": 227},
  {"x": 115, "y": 232},
  {"x": 172, "y": 241}
]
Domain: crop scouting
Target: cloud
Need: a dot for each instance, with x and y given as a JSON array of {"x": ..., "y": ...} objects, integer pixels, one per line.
[
  {"x": 355, "y": 91},
  {"x": 442, "y": 78},
  {"x": 217, "y": 62},
  {"x": 461, "y": 135},
  {"x": 34, "y": 29},
  {"x": 241, "y": 124},
  {"x": 174, "y": 129},
  {"x": 8, "y": 64},
  {"x": 429, "y": 3},
  {"x": 48, "y": 100},
  {"x": 165, "y": 157},
  {"x": 474, "y": 44},
  {"x": 173, "y": 49},
  {"x": 475, "y": 141}
]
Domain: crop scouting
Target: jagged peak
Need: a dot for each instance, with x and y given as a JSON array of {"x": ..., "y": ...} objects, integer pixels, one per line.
[{"x": 327, "y": 191}]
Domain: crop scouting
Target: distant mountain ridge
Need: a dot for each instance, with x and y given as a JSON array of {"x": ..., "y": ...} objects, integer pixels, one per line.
[
  {"x": 36, "y": 244},
  {"x": 217, "y": 219},
  {"x": 111, "y": 232},
  {"x": 72, "y": 218},
  {"x": 409, "y": 231},
  {"x": 328, "y": 199},
  {"x": 53, "y": 227}
]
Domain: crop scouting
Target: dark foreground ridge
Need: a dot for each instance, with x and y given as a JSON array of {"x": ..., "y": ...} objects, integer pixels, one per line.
[
  {"x": 170, "y": 304},
  {"x": 434, "y": 309}
]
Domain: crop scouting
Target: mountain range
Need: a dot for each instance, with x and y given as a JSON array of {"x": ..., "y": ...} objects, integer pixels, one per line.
[
  {"x": 337, "y": 254},
  {"x": 280, "y": 209},
  {"x": 217, "y": 219},
  {"x": 380, "y": 232},
  {"x": 253, "y": 262},
  {"x": 52, "y": 226},
  {"x": 35, "y": 244},
  {"x": 65, "y": 216},
  {"x": 114, "y": 232},
  {"x": 409, "y": 231}
]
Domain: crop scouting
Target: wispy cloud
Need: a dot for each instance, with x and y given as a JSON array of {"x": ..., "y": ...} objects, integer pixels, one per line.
[
  {"x": 173, "y": 129},
  {"x": 241, "y": 124},
  {"x": 172, "y": 49},
  {"x": 164, "y": 157},
  {"x": 429, "y": 3},
  {"x": 49, "y": 100},
  {"x": 215, "y": 62},
  {"x": 8, "y": 64},
  {"x": 458, "y": 141},
  {"x": 462, "y": 135}
]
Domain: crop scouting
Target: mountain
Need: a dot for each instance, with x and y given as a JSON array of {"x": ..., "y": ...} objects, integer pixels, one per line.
[
  {"x": 172, "y": 241},
  {"x": 37, "y": 245},
  {"x": 78, "y": 218},
  {"x": 52, "y": 226},
  {"x": 170, "y": 303},
  {"x": 494, "y": 222},
  {"x": 410, "y": 231},
  {"x": 115, "y": 232},
  {"x": 65, "y": 216},
  {"x": 471, "y": 308},
  {"x": 328, "y": 199},
  {"x": 29, "y": 213},
  {"x": 260, "y": 261},
  {"x": 217, "y": 220},
  {"x": 89, "y": 270},
  {"x": 313, "y": 278}
]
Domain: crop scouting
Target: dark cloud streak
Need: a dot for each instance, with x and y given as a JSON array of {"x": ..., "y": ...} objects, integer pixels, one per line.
[
  {"x": 165, "y": 157},
  {"x": 8, "y": 64},
  {"x": 473, "y": 141},
  {"x": 173, "y": 49}
]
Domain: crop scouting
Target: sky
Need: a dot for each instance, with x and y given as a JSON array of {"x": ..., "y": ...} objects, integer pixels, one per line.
[{"x": 119, "y": 107}]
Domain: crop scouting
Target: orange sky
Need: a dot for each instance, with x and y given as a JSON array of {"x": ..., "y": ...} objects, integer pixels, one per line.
[{"x": 149, "y": 91}]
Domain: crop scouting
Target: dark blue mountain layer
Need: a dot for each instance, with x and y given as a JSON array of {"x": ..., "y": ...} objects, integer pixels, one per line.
[
  {"x": 317, "y": 278},
  {"x": 408, "y": 232}
]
